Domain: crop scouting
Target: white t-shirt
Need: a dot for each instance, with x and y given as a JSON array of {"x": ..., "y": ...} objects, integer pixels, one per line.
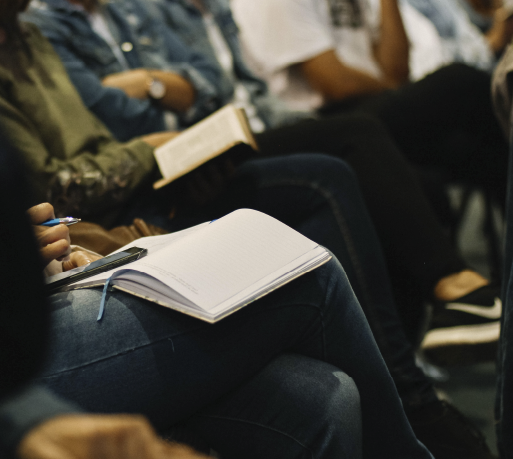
[
  {"x": 460, "y": 39},
  {"x": 427, "y": 51},
  {"x": 276, "y": 34},
  {"x": 279, "y": 33}
]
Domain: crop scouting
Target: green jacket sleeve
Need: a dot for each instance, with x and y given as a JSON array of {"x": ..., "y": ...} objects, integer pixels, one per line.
[{"x": 102, "y": 173}]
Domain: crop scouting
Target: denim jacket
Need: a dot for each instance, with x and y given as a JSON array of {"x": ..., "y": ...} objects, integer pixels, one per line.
[
  {"x": 149, "y": 44},
  {"x": 462, "y": 40},
  {"x": 184, "y": 19}
]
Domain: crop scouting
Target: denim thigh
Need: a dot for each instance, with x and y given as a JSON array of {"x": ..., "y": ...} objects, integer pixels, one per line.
[{"x": 147, "y": 359}]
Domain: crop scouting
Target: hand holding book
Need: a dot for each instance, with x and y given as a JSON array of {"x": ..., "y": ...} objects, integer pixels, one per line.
[{"x": 224, "y": 132}]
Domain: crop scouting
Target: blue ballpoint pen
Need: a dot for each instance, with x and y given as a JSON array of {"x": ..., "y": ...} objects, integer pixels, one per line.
[{"x": 57, "y": 221}]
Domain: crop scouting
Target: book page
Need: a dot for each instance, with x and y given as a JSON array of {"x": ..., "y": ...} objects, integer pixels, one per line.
[
  {"x": 283, "y": 275},
  {"x": 230, "y": 254},
  {"x": 201, "y": 142}
]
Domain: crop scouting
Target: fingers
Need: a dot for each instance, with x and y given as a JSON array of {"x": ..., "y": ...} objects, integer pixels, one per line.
[
  {"x": 77, "y": 259},
  {"x": 122, "y": 437},
  {"x": 40, "y": 213},
  {"x": 139, "y": 440},
  {"x": 49, "y": 235},
  {"x": 159, "y": 138},
  {"x": 54, "y": 242},
  {"x": 58, "y": 250},
  {"x": 99, "y": 437}
]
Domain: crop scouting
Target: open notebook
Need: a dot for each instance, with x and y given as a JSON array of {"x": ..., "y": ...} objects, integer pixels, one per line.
[{"x": 211, "y": 270}]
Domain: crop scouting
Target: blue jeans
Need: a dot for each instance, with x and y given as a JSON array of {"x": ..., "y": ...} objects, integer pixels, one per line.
[
  {"x": 318, "y": 195},
  {"x": 223, "y": 380}
]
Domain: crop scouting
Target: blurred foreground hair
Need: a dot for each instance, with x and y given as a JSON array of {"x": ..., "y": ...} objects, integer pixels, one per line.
[{"x": 9, "y": 10}]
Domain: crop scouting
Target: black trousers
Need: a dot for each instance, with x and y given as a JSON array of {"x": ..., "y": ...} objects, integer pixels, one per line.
[
  {"x": 416, "y": 248},
  {"x": 446, "y": 120}
]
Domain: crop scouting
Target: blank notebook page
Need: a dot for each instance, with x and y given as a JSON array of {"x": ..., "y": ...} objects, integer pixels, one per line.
[{"x": 213, "y": 264}]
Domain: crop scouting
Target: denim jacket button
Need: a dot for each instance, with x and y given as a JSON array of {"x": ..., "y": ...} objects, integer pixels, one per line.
[
  {"x": 145, "y": 40},
  {"x": 127, "y": 47}
]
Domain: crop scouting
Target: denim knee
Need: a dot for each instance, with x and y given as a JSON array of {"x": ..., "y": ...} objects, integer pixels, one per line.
[
  {"x": 323, "y": 167},
  {"x": 299, "y": 166},
  {"x": 333, "y": 179},
  {"x": 296, "y": 407},
  {"x": 327, "y": 399}
]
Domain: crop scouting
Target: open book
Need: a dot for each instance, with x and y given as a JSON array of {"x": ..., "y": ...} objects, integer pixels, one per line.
[
  {"x": 217, "y": 133},
  {"x": 213, "y": 269}
]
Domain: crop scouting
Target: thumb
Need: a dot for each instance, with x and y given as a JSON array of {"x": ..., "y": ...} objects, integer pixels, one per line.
[{"x": 77, "y": 259}]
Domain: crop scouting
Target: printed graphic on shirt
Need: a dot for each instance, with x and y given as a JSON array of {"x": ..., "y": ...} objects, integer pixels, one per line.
[{"x": 345, "y": 13}]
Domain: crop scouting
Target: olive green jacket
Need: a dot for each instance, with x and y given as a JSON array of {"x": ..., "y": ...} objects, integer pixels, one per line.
[{"x": 73, "y": 160}]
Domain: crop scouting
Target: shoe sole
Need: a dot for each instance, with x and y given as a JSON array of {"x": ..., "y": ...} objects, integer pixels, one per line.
[{"x": 463, "y": 345}]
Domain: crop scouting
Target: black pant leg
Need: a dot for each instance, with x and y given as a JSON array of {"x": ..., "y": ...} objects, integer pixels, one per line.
[
  {"x": 446, "y": 120},
  {"x": 414, "y": 243}
]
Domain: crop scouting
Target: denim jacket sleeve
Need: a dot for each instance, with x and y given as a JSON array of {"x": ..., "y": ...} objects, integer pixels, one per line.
[
  {"x": 196, "y": 68},
  {"x": 88, "y": 62},
  {"x": 124, "y": 116},
  {"x": 162, "y": 48}
]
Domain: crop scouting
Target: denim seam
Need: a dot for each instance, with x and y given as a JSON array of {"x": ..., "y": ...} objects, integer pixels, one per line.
[
  {"x": 137, "y": 348},
  {"x": 353, "y": 254},
  {"x": 94, "y": 362},
  {"x": 224, "y": 418},
  {"x": 323, "y": 328},
  {"x": 346, "y": 235}
]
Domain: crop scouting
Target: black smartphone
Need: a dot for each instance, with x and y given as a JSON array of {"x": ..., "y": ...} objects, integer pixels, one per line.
[{"x": 95, "y": 267}]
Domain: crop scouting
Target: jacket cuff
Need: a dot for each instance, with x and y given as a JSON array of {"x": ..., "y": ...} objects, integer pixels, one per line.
[
  {"x": 23, "y": 411},
  {"x": 206, "y": 100}
]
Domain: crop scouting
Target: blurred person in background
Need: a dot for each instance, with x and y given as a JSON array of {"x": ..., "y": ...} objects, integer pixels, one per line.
[
  {"x": 453, "y": 38},
  {"x": 337, "y": 56}
]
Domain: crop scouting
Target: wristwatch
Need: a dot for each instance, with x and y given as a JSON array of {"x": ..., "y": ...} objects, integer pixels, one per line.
[{"x": 156, "y": 88}]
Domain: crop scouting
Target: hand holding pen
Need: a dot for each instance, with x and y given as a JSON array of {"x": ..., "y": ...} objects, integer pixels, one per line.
[{"x": 53, "y": 241}]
